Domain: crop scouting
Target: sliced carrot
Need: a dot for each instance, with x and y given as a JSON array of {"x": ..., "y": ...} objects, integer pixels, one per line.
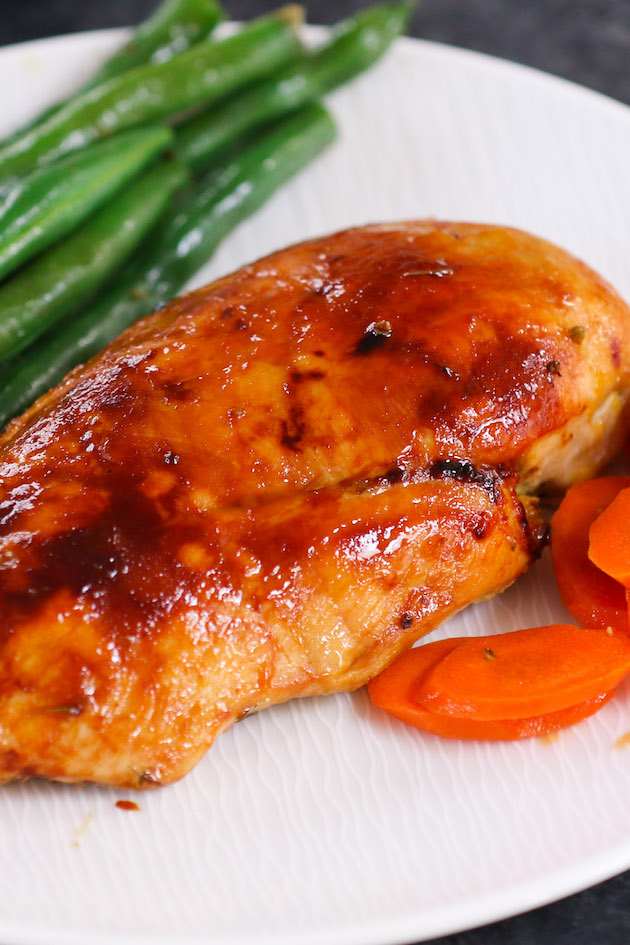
[
  {"x": 609, "y": 539},
  {"x": 393, "y": 691},
  {"x": 525, "y": 673},
  {"x": 592, "y": 597},
  {"x": 500, "y": 730}
]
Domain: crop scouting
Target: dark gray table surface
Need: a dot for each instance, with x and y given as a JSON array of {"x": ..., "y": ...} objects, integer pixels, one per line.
[{"x": 587, "y": 41}]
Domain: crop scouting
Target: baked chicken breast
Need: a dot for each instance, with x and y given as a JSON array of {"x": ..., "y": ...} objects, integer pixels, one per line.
[{"x": 275, "y": 484}]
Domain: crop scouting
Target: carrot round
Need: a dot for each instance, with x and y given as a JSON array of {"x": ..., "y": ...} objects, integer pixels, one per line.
[
  {"x": 609, "y": 539},
  {"x": 592, "y": 597},
  {"x": 525, "y": 673},
  {"x": 449, "y": 726},
  {"x": 500, "y": 730},
  {"x": 393, "y": 691}
]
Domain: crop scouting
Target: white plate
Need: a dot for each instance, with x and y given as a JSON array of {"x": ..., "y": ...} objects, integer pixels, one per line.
[{"x": 324, "y": 821}]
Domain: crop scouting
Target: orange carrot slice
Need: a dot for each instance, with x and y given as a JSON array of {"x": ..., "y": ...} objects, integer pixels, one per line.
[
  {"x": 592, "y": 597},
  {"x": 449, "y": 726},
  {"x": 609, "y": 539},
  {"x": 525, "y": 673},
  {"x": 393, "y": 691}
]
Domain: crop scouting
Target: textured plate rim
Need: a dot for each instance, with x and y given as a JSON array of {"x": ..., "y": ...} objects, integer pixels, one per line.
[{"x": 485, "y": 910}]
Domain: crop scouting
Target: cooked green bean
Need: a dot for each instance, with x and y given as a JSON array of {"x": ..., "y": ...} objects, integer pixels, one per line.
[
  {"x": 52, "y": 201},
  {"x": 210, "y": 210},
  {"x": 202, "y": 75},
  {"x": 356, "y": 44},
  {"x": 61, "y": 281},
  {"x": 173, "y": 27}
]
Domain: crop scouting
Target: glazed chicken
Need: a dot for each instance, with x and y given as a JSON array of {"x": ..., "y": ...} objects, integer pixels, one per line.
[{"x": 275, "y": 484}]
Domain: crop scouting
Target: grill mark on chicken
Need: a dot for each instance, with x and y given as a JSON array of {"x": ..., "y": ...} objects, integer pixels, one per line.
[
  {"x": 293, "y": 428},
  {"x": 299, "y": 377},
  {"x": 464, "y": 471},
  {"x": 394, "y": 476}
]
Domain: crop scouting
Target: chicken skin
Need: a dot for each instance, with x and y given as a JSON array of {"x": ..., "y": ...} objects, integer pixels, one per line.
[{"x": 275, "y": 484}]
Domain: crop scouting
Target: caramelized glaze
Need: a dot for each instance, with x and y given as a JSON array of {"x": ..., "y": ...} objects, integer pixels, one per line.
[{"x": 276, "y": 483}]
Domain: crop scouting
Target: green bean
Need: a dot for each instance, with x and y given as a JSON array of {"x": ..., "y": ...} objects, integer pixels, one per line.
[
  {"x": 210, "y": 210},
  {"x": 175, "y": 26},
  {"x": 202, "y": 75},
  {"x": 52, "y": 201},
  {"x": 60, "y": 282},
  {"x": 356, "y": 44}
]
